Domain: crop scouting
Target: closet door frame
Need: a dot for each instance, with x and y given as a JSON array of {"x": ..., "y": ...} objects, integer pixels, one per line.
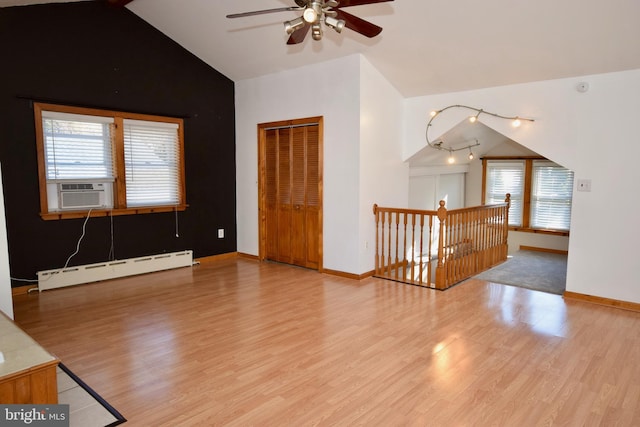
[{"x": 262, "y": 210}]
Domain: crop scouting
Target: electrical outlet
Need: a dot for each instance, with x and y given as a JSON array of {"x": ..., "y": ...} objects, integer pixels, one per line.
[{"x": 220, "y": 233}]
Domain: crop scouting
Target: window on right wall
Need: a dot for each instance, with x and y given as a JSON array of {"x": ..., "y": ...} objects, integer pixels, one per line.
[{"x": 541, "y": 192}]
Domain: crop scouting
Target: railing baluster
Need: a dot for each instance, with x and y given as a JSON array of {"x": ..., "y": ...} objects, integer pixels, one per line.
[
  {"x": 421, "y": 268},
  {"x": 404, "y": 248},
  {"x": 390, "y": 218},
  {"x": 429, "y": 252},
  {"x": 413, "y": 246}
]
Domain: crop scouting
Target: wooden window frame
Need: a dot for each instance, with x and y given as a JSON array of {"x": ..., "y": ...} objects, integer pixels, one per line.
[
  {"x": 526, "y": 202},
  {"x": 119, "y": 183}
]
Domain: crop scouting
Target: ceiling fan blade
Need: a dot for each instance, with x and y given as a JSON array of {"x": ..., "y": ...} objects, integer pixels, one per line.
[
  {"x": 347, "y": 3},
  {"x": 358, "y": 25},
  {"x": 298, "y": 35},
  {"x": 262, "y": 12}
]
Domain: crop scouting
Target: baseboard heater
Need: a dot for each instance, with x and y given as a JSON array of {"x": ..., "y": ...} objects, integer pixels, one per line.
[{"x": 51, "y": 279}]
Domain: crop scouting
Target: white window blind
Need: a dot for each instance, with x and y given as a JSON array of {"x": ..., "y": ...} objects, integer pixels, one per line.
[
  {"x": 551, "y": 194},
  {"x": 77, "y": 147},
  {"x": 152, "y": 170},
  {"x": 503, "y": 178}
]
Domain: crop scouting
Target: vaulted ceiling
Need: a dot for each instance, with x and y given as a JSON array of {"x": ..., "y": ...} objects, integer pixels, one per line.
[{"x": 426, "y": 47}]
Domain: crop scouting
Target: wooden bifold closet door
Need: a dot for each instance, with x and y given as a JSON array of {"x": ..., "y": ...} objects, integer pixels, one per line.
[{"x": 291, "y": 193}]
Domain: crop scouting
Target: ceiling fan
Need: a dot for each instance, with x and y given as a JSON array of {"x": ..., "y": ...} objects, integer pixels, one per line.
[{"x": 314, "y": 12}]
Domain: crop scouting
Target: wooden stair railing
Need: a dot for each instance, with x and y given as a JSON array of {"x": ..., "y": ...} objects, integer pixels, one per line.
[{"x": 438, "y": 249}]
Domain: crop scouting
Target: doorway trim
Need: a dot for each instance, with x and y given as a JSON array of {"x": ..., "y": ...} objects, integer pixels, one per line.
[{"x": 262, "y": 133}]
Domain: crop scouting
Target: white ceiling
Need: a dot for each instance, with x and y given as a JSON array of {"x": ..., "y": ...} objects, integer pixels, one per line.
[{"x": 427, "y": 46}]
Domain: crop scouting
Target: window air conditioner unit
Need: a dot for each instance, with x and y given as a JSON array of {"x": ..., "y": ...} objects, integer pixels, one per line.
[{"x": 81, "y": 195}]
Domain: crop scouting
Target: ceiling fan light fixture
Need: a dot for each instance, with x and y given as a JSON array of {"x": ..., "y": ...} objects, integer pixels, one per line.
[
  {"x": 316, "y": 31},
  {"x": 336, "y": 24},
  {"x": 317, "y": 13},
  {"x": 291, "y": 26},
  {"x": 312, "y": 13}
]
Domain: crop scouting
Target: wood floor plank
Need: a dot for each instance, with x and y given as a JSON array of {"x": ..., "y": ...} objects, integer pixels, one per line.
[{"x": 239, "y": 342}]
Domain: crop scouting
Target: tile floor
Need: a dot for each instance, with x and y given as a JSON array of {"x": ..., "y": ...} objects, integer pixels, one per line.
[{"x": 84, "y": 410}]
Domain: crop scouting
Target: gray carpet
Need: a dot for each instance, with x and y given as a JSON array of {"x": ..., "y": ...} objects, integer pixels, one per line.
[{"x": 541, "y": 271}]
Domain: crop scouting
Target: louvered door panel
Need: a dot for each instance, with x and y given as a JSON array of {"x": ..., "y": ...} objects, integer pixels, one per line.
[
  {"x": 298, "y": 166},
  {"x": 284, "y": 196},
  {"x": 271, "y": 193},
  {"x": 312, "y": 194}
]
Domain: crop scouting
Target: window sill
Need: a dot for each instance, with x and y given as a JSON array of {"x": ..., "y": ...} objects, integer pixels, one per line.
[
  {"x": 540, "y": 231},
  {"x": 49, "y": 216}
]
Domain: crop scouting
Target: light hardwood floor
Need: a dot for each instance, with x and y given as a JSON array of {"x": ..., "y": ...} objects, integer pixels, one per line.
[{"x": 238, "y": 342}]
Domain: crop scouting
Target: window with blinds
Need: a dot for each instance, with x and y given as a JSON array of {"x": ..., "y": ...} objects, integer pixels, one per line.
[
  {"x": 503, "y": 178},
  {"x": 133, "y": 159},
  {"x": 77, "y": 147},
  {"x": 541, "y": 192},
  {"x": 151, "y": 158},
  {"x": 551, "y": 192}
]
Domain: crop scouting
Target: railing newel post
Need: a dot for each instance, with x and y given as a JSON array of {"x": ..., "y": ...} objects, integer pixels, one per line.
[{"x": 440, "y": 276}]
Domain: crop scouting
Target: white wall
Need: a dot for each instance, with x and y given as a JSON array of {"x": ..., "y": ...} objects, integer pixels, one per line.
[
  {"x": 595, "y": 135},
  {"x": 6, "y": 300},
  {"x": 330, "y": 89},
  {"x": 384, "y": 177},
  {"x": 357, "y": 129},
  {"x": 429, "y": 185}
]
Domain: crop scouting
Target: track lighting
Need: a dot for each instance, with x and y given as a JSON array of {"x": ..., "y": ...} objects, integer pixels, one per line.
[
  {"x": 291, "y": 26},
  {"x": 438, "y": 145}
]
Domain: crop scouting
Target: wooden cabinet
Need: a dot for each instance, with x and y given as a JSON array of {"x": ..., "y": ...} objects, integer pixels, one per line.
[{"x": 28, "y": 373}]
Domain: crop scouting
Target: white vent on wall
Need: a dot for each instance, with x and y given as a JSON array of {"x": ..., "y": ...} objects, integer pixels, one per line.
[{"x": 81, "y": 195}]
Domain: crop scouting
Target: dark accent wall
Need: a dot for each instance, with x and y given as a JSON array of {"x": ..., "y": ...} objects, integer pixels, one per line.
[{"x": 93, "y": 55}]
